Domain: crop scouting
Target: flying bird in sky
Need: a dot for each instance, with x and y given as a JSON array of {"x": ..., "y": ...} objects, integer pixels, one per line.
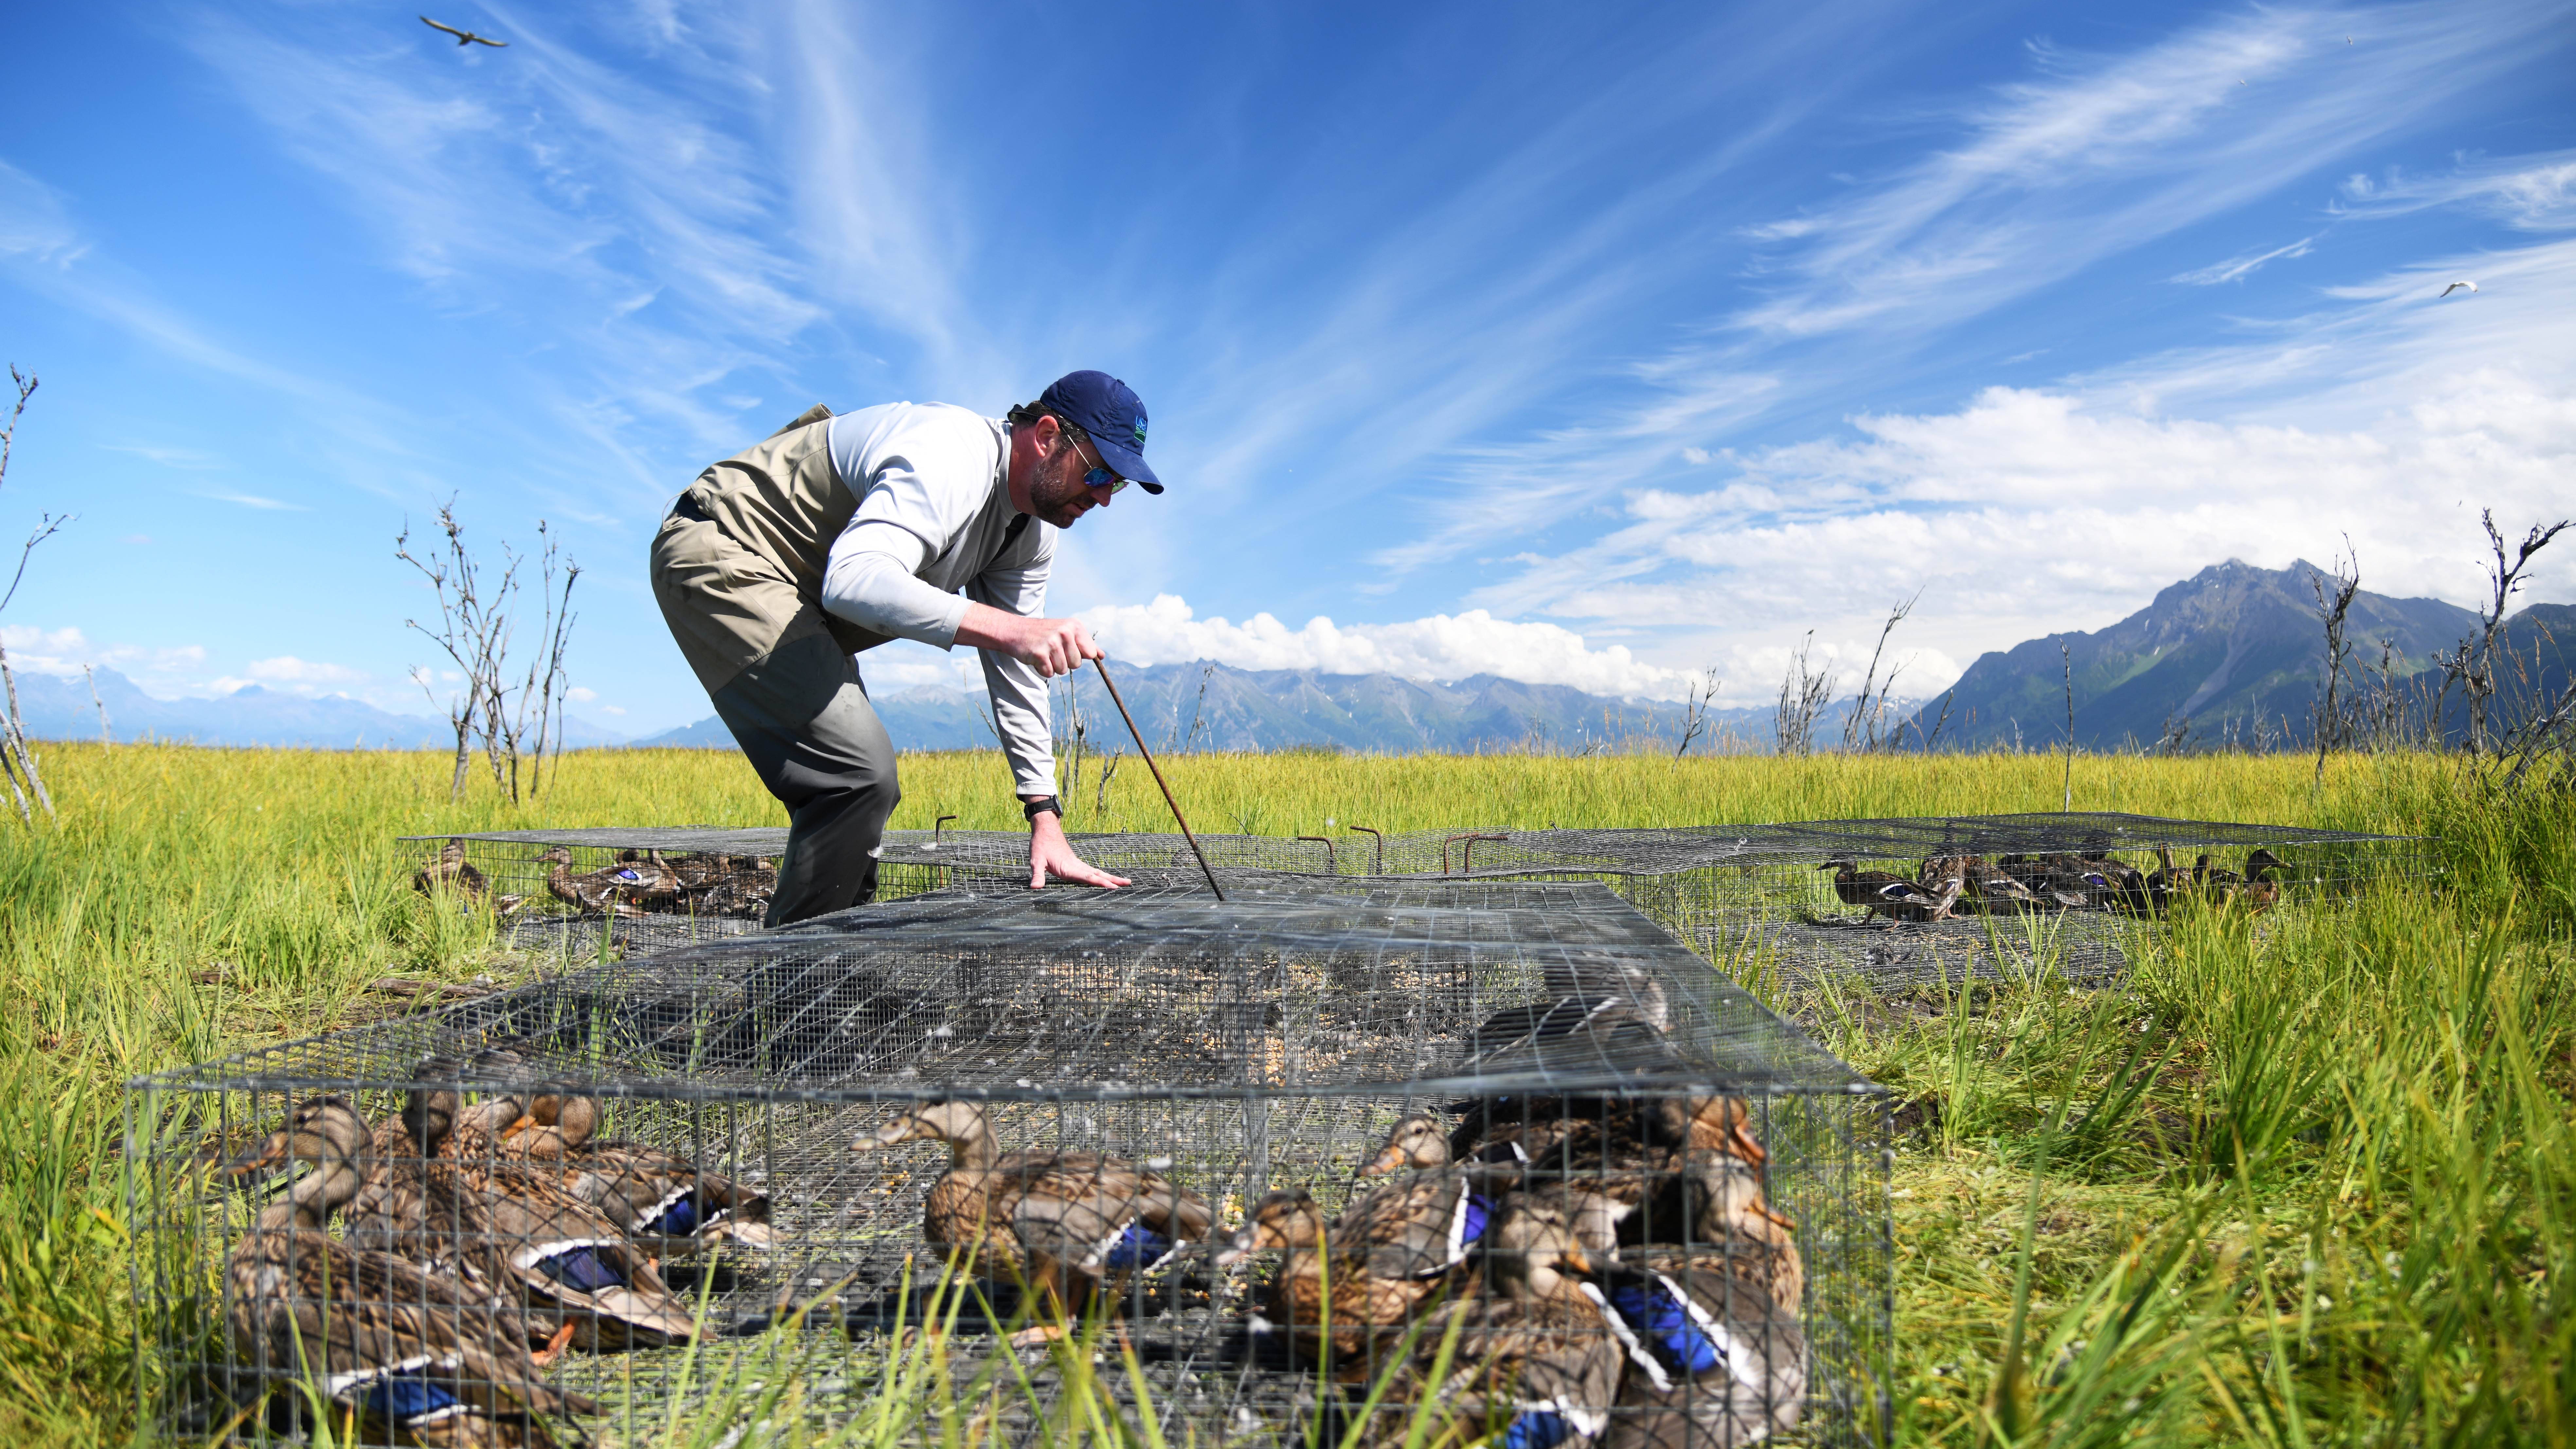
[
  {"x": 463, "y": 37},
  {"x": 2455, "y": 286}
]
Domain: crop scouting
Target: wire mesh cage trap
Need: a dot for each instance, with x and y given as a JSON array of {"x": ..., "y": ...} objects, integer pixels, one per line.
[
  {"x": 1497, "y": 1151},
  {"x": 606, "y": 891},
  {"x": 1909, "y": 901}
]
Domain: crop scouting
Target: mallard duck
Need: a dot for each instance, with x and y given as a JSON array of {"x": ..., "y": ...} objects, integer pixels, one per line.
[
  {"x": 414, "y": 1352},
  {"x": 451, "y": 871},
  {"x": 2127, "y": 885},
  {"x": 394, "y": 1210},
  {"x": 1946, "y": 877},
  {"x": 1883, "y": 892},
  {"x": 1998, "y": 891},
  {"x": 2166, "y": 882},
  {"x": 2261, "y": 891},
  {"x": 650, "y": 1194},
  {"x": 644, "y": 876},
  {"x": 1364, "y": 1309},
  {"x": 2215, "y": 881},
  {"x": 568, "y": 1260},
  {"x": 1064, "y": 1223},
  {"x": 1732, "y": 1220},
  {"x": 594, "y": 893},
  {"x": 1535, "y": 1350},
  {"x": 1418, "y": 1140},
  {"x": 1713, "y": 1362}
]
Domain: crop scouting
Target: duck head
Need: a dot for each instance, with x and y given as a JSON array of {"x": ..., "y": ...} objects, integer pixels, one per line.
[
  {"x": 962, "y": 1125},
  {"x": 2259, "y": 861},
  {"x": 557, "y": 1122},
  {"x": 324, "y": 1131},
  {"x": 1533, "y": 1248},
  {"x": 429, "y": 1115},
  {"x": 1731, "y": 1204},
  {"x": 1286, "y": 1219},
  {"x": 1417, "y": 1141}
]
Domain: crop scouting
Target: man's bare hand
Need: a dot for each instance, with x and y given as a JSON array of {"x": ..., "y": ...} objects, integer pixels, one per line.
[
  {"x": 1050, "y": 646},
  {"x": 1050, "y": 854}
]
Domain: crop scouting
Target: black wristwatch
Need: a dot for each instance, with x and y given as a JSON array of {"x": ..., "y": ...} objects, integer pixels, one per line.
[{"x": 1033, "y": 808}]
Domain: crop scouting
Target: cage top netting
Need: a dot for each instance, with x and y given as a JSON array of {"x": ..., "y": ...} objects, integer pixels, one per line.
[
  {"x": 1301, "y": 987},
  {"x": 1501, "y": 851}
]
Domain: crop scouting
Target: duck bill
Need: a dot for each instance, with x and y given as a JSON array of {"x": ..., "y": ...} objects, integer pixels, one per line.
[
  {"x": 1746, "y": 1146},
  {"x": 282, "y": 1151},
  {"x": 1574, "y": 1259},
  {"x": 256, "y": 1164},
  {"x": 1389, "y": 1160},
  {"x": 893, "y": 1134}
]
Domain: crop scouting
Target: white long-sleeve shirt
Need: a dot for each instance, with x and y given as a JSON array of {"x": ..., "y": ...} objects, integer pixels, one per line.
[{"x": 934, "y": 529}]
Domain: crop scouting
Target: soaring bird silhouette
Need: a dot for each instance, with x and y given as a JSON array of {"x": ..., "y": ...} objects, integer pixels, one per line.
[
  {"x": 463, "y": 37},
  {"x": 2456, "y": 286}
]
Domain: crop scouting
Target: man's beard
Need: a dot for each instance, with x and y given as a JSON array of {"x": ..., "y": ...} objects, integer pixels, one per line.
[{"x": 1057, "y": 494}]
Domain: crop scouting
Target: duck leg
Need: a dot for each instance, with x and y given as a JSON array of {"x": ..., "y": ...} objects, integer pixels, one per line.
[{"x": 554, "y": 1347}]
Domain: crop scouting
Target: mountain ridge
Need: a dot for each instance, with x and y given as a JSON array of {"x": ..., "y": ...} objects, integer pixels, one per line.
[
  {"x": 2230, "y": 656},
  {"x": 59, "y": 707}
]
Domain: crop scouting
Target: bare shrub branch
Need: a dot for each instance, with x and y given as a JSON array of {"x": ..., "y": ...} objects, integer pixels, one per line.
[
  {"x": 18, "y": 758},
  {"x": 1803, "y": 693}
]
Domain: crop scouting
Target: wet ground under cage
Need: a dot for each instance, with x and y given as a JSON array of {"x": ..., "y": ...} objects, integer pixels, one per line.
[{"x": 1609, "y": 1120}]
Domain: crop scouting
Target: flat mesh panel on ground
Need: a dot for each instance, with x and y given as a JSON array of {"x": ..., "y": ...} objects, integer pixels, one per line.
[
  {"x": 1753, "y": 899},
  {"x": 1747, "y": 896},
  {"x": 1269, "y": 1043}
]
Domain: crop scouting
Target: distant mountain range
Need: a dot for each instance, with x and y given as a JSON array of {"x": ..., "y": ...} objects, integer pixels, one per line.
[
  {"x": 60, "y": 708},
  {"x": 2231, "y": 655},
  {"x": 1219, "y": 707}
]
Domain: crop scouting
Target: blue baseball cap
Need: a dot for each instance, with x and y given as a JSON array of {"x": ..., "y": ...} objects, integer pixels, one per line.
[{"x": 1112, "y": 414}]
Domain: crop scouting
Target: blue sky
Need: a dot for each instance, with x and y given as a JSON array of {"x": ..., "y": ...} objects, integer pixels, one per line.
[{"x": 1584, "y": 344}]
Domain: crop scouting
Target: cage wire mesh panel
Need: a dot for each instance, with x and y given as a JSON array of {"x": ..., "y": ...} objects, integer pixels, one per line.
[
  {"x": 1634, "y": 1201},
  {"x": 613, "y": 891},
  {"x": 2070, "y": 892}
]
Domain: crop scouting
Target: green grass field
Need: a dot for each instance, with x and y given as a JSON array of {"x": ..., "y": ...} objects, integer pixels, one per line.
[{"x": 2308, "y": 1179}]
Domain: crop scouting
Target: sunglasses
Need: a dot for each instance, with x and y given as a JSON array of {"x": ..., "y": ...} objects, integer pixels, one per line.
[{"x": 1099, "y": 476}]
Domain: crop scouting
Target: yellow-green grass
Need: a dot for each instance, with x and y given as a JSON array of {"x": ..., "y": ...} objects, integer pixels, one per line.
[{"x": 2307, "y": 1179}]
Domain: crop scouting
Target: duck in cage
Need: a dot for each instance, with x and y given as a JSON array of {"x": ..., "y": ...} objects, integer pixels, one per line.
[
  {"x": 1563, "y": 1265},
  {"x": 479, "y": 1245},
  {"x": 1948, "y": 886}
]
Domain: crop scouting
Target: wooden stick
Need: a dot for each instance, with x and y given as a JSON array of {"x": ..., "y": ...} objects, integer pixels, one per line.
[{"x": 1139, "y": 736}]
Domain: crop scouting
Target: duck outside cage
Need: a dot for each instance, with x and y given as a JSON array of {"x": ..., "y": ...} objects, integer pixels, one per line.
[{"x": 1286, "y": 1150}]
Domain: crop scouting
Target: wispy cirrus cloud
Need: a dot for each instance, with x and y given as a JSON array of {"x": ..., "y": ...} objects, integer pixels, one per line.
[
  {"x": 253, "y": 500},
  {"x": 2101, "y": 154},
  {"x": 2386, "y": 419},
  {"x": 2530, "y": 193},
  {"x": 2238, "y": 268}
]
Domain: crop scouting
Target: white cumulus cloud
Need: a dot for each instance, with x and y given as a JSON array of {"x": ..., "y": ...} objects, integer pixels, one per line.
[{"x": 1441, "y": 647}]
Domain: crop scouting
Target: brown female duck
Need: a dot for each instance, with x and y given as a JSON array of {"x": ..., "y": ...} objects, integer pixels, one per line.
[
  {"x": 661, "y": 1201},
  {"x": 567, "y": 1260},
  {"x": 1069, "y": 1225},
  {"x": 408, "y": 1351},
  {"x": 1882, "y": 892},
  {"x": 1713, "y": 1362},
  {"x": 1534, "y": 1356}
]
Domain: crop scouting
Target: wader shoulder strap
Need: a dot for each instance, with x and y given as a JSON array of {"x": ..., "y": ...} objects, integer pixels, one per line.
[{"x": 807, "y": 418}]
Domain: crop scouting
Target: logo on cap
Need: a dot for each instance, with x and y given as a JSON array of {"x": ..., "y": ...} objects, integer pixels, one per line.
[{"x": 1140, "y": 434}]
